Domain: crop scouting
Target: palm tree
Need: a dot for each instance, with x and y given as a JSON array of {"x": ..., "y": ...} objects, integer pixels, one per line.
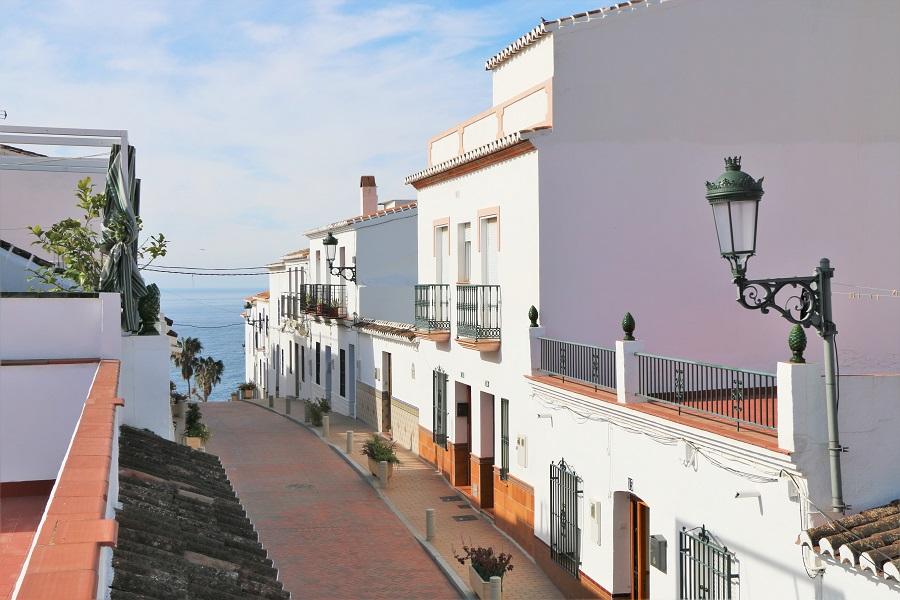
[
  {"x": 187, "y": 358},
  {"x": 209, "y": 374}
]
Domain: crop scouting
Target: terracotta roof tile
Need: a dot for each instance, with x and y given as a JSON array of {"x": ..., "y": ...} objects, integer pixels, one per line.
[
  {"x": 361, "y": 218},
  {"x": 389, "y": 328}
]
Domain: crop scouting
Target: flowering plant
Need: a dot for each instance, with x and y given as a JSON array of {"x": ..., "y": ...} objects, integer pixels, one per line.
[{"x": 485, "y": 562}]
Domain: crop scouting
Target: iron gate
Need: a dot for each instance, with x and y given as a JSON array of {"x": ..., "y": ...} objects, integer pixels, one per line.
[
  {"x": 565, "y": 534},
  {"x": 707, "y": 570}
]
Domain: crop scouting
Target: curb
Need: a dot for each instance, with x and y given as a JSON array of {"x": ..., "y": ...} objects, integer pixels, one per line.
[{"x": 455, "y": 580}]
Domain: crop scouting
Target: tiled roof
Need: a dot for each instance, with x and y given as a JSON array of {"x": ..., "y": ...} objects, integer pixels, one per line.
[
  {"x": 296, "y": 254},
  {"x": 361, "y": 218},
  {"x": 505, "y": 142},
  {"x": 182, "y": 530},
  {"x": 869, "y": 540},
  {"x": 389, "y": 328},
  {"x": 4, "y": 149},
  {"x": 264, "y": 295},
  {"x": 545, "y": 27},
  {"x": 4, "y": 245}
]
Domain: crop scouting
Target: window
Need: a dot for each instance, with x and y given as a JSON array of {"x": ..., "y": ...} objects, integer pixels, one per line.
[
  {"x": 465, "y": 253},
  {"x": 318, "y": 266},
  {"x": 303, "y": 363},
  {"x": 439, "y": 398},
  {"x": 489, "y": 255},
  {"x": 708, "y": 569},
  {"x": 281, "y": 364},
  {"x": 504, "y": 438},
  {"x": 565, "y": 534},
  {"x": 342, "y": 387},
  {"x": 318, "y": 363},
  {"x": 441, "y": 250}
]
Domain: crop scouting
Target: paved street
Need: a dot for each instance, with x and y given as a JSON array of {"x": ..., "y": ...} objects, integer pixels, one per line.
[{"x": 325, "y": 528}]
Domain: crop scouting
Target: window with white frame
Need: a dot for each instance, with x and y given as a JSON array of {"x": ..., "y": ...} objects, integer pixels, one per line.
[
  {"x": 465, "y": 253},
  {"x": 489, "y": 251},
  {"x": 441, "y": 250}
]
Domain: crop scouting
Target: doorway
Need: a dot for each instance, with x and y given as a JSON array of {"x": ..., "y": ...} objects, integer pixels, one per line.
[
  {"x": 386, "y": 392},
  {"x": 462, "y": 438},
  {"x": 296, "y": 370},
  {"x": 351, "y": 358},
  {"x": 640, "y": 549}
]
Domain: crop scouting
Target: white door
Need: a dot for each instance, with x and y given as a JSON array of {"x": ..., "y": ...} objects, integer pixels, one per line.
[
  {"x": 489, "y": 254},
  {"x": 440, "y": 255}
]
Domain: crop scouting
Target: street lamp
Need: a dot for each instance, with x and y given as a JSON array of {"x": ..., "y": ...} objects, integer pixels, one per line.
[
  {"x": 734, "y": 198},
  {"x": 330, "y": 243}
]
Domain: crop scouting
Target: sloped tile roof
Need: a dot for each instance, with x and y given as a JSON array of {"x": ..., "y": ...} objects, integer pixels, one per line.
[
  {"x": 361, "y": 218},
  {"x": 389, "y": 328},
  {"x": 182, "y": 530},
  {"x": 869, "y": 540}
]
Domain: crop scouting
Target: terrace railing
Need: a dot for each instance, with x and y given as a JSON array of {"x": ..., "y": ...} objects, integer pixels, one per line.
[
  {"x": 591, "y": 365},
  {"x": 737, "y": 395},
  {"x": 478, "y": 311},
  {"x": 432, "y": 307},
  {"x": 324, "y": 300}
]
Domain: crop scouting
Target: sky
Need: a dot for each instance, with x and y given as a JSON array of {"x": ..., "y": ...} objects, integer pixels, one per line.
[{"x": 254, "y": 120}]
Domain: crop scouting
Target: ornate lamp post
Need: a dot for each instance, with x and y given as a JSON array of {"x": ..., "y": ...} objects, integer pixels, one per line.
[
  {"x": 330, "y": 243},
  {"x": 806, "y": 301}
]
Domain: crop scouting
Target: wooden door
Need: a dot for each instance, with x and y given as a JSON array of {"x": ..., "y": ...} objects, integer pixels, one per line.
[{"x": 640, "y": 549}]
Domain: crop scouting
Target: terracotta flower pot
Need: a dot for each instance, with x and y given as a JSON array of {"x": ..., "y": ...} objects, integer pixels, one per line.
[
  {"x": 373, "y": 468},
  {"x": 248, "y": 394},
  {"x": 193, "y": 442}
]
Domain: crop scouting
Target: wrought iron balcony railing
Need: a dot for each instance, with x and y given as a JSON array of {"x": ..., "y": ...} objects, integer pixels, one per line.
[
  {"x": 323, "y": 299},
  {"x": 744, "y": 397},
  {"x": 591, "y": 365},
  {"x": 433, "y": 307},
  {"x": 478, "y": 312}
]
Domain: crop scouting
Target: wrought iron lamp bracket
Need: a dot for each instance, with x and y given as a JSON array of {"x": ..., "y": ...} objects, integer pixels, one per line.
[
  {"x": 348, "y": 273},
  {"x": 802, "y": 306}
]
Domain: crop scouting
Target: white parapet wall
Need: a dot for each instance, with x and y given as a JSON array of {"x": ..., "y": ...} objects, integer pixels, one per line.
[{"x": 144, "y": 384}]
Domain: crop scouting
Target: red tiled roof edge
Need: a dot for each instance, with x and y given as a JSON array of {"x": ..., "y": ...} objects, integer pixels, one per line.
[
  {"x": 360, "y": 218},
  {"x": 64, "y": 561}
]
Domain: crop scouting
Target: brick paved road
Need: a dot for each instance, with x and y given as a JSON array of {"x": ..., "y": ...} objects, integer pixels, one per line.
[{"x": 327, "y": 531}]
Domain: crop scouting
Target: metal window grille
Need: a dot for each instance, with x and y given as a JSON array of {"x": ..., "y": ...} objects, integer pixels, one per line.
[
  {"x": 504, "y": 438},
  {"x": 565, "y": 534},
  {"x": 707, "y": 570},
  {"x": 440, "y": 408},
  {"x": 343, "y": 373},
  {"x": 746, "y": 398}
]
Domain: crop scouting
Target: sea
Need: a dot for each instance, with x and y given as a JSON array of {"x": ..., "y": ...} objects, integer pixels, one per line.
[{"x": 213, "y": 316}]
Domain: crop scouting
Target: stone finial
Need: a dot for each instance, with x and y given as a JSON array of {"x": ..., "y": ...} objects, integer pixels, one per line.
[
  {"x": 797, "y": 344},
  {"x": 533, "y": 316},
  {"x": 148, "y": 309},
  {"x": 628, "y": 327}
]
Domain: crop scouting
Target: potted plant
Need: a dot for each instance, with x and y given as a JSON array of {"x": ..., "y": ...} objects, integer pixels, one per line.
[
  {"x": 484, "y": 564},
  {"x": 247, "y": 390},
  {"x": 318, "y": 409},
  {"x": 196, "y": 433},
  {"x": 378, "y": 449}
]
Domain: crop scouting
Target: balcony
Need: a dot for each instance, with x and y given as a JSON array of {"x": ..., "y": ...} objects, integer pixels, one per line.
[
  {"x": 478, "y": 317},
  {"x": 433, "y": 312},
  {"x": 323, "y": 300}
]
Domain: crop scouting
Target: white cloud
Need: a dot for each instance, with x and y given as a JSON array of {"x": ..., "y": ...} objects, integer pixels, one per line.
[{"x": 252, "y": 128}]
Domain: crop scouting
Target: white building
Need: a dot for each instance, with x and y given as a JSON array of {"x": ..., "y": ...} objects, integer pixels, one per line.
[{"x": 580, "y": 192}]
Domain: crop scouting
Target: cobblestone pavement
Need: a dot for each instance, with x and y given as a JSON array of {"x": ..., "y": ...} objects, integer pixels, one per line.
[
  {"x": 323, "y": 525},
  {"x": 416, "y": 486}
]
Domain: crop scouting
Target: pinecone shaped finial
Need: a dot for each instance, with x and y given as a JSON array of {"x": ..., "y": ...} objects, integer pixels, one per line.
[{"x": 797, "y": 344}]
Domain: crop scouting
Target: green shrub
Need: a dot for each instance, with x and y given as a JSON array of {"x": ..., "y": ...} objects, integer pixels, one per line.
[
  {"x": 193, "y": 427},
  {"x": 318, "y": 409},
  {"x": 379, "y": 449}
]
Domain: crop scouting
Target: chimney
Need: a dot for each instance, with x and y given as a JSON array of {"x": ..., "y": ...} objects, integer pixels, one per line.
[{"x": 368, "y": 195}]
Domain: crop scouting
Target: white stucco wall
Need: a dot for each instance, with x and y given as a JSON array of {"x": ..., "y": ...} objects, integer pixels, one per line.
[
  {"x": 624, "y": 223},
  {"x": 144, "y": 384},
  {"x": 527, "y": 69},
  {"x": 39, "y": 408},
  {"x": 386, "y": 267}
]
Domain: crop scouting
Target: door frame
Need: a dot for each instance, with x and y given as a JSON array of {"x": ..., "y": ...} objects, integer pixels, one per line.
[
  {"x": 639, "y": 527},
  {"x": 387, "y": 390}
]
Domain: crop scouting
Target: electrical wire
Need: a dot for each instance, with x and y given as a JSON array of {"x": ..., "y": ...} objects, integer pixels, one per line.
[
  {"x": 180, "y": 325},
  {"x": 154, "y": 270},
  {"x": 203, "y": 268}
]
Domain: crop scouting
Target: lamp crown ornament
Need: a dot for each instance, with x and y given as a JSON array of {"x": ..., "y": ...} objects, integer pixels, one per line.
[
  {"x": 733, "y": 182},
  {"x": 628, "y": 327},
  {"x": 797, "y": 344}
]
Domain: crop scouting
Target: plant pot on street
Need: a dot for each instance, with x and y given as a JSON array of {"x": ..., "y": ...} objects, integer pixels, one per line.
[
  {"x": 193, "y": 442},
  {"x": 373, "y": 468},
  {"x": 248, "y": 394},
  {"x": 481, "y": 587}
]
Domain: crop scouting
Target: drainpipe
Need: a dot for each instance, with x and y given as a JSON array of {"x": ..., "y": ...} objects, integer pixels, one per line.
[{"x": 828, "y": 331}]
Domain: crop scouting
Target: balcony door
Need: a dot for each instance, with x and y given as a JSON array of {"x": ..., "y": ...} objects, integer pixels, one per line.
[
  {"x": 441, "y": 258},
  {"x": 489, "y": 252}
]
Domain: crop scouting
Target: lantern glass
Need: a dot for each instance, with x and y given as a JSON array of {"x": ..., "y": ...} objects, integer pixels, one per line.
[
  {"x": 330, "y": 243},
  {"x": 736, "y": 230}
]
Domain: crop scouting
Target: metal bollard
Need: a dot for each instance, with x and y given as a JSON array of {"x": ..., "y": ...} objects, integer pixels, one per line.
[
  {"x": 383, "y": 473},
  {"x": 349, "y": 442},
  {"x": 326, "y": 426},
  {"x": 496, "y": 587},
  {"x": 271, "y": 401},
  {"x": 429, "y": 524}
]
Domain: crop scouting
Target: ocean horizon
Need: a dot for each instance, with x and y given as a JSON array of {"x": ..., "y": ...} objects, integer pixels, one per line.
[{"x": 211, "y": 315}]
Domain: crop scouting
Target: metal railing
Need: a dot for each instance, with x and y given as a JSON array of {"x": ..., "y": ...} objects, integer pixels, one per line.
[
  {"x": 706, "y": 570},
  {"x": 745, "y": 397},
  {"x": 432, "y": 307},
  {"x": 323, "y": 299},
  {"x": 565, "y": 533},
  {"x": 592, "y": 365},
  {"x": 478, "y": 311}
]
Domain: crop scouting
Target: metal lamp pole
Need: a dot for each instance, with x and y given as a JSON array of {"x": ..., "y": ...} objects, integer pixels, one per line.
[{"x": 735, "y": 198}]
